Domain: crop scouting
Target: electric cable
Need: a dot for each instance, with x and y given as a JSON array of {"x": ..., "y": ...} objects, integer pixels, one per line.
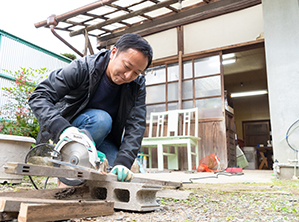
[
  {"x": 222, "y": 172},
  {"x": 288, "y": 134},
  {"x": 45, "y": 185},
  {"x": 26, "y": 160}
]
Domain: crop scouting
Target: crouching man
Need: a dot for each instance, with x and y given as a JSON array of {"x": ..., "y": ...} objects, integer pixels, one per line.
[{"x": 103, "y": 94}]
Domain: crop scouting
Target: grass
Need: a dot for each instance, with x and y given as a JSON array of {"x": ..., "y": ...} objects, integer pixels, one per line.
[{"x": 27, "y": 185}]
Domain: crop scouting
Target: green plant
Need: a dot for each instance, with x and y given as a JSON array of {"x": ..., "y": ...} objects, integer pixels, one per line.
[
  {"x": 69, "y": 55},
  {"x": 16, "y": 116}
]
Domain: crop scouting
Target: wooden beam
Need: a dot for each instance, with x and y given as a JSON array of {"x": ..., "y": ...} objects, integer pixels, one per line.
[
  {"x": 184, "y": 17},
  {"x": 76, "y": 12},
  {"x": 180, "y": 91},
  {"x": 123, "y": 17},
  {"x": 180, "y": 33},
  {"x": 62, "y": 211},
  {"x": 12, "y": 204},
  {"x": 70, "y": 193}
]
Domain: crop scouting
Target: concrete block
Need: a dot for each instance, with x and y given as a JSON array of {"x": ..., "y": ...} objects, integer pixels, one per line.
[
  {"x": 286, "y": 172},
  {"x": 126, "y": 196}
]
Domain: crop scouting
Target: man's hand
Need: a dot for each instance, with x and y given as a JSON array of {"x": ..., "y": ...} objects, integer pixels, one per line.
[{"x": 123, "y": 173}]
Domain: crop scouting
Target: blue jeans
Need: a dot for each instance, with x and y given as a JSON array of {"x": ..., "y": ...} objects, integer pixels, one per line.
[{"x": 98, "y": 123}]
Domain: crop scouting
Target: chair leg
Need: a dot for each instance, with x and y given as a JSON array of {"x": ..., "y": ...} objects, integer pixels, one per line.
[
  {"x": 150, "y": 157},
  {"x": 172, "y": 160},
  {"x": 160, "y": 157},
  {"x": 189, "y": 156},
  {"x": 176, "y": 156},
  {"x": 197, "y": 157}
]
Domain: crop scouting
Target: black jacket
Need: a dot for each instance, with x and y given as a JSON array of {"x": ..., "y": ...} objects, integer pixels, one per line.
[{"x": 59, "y": 99}]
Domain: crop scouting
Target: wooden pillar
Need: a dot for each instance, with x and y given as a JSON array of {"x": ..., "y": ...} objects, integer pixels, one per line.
[{"x": 180, "y": 55}]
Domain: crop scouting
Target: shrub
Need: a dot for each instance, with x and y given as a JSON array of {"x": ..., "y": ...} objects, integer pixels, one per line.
[{"x": 17, "y": 117}]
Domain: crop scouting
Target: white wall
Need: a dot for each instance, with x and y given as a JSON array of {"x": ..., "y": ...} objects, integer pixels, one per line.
[
  {"x": 229, "y": 29},
  {"x": 281, "y": 19},
  {"x": 233, "y": 28},
  {"x": 164, "y": 44}
]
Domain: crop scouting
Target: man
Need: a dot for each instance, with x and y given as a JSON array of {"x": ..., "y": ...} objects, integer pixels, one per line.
[{"x": 102, "y": 93}]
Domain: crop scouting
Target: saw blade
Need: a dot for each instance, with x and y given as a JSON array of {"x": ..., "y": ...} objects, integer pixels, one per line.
[{"x": 75, "y": 154}]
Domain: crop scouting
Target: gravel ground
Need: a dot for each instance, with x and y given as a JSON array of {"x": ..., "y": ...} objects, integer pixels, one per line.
[{"x": 276, "y": 201}]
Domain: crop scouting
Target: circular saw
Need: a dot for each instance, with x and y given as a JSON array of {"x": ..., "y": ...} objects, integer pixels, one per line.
[{"x": 77, "y": 150}]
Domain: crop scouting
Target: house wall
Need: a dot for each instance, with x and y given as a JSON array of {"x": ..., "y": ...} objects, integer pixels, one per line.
[
  {"x": 281, "y": 19},
  {"x": 167, "y": 39},
  {"x": 233, "y": 28}
]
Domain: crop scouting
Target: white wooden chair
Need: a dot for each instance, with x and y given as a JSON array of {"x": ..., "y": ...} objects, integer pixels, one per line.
[{"x": 177, "y": 134}]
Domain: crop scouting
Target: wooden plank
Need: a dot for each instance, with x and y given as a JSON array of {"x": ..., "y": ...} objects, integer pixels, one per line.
[
  {"x": 87, "y": 174},
  {"x": 12, "y": 204},
  {"x": 61, "y": 211},
  {"x": 70, "y": 193}
]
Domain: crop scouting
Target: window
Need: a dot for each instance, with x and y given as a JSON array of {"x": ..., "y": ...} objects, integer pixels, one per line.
[
  {"x": 155, "y": 75},
  {"x": 172, "y": 72},
  {"x": 201, "y": 87}
]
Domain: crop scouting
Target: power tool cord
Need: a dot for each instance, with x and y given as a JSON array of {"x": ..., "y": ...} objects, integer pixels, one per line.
[
  {"x": 26, "y": 160},
  {"x": 216, "y": 174},
  {"x": 288, "y": 134}
]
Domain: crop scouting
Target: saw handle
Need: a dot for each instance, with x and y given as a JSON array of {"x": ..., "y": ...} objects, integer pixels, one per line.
[{"x": 85, "y": 131}]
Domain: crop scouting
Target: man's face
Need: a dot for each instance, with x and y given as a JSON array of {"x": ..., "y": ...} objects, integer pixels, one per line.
[{"x": 125, "y": 66}]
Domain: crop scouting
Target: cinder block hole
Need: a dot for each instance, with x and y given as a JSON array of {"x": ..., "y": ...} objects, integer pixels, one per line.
[
  {"x": 99, "y": 193},
  {"x": 122, "y": 195}
]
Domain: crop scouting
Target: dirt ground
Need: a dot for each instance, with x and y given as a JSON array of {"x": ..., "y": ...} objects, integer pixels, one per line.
[{"x": 275, "y": 201}]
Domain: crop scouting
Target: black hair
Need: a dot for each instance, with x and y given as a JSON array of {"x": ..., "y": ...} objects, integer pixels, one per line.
[{"x": 135, "y": 41}]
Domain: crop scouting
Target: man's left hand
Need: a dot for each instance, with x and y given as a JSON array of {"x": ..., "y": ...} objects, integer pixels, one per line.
[{"x": 123, "y": 173}]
